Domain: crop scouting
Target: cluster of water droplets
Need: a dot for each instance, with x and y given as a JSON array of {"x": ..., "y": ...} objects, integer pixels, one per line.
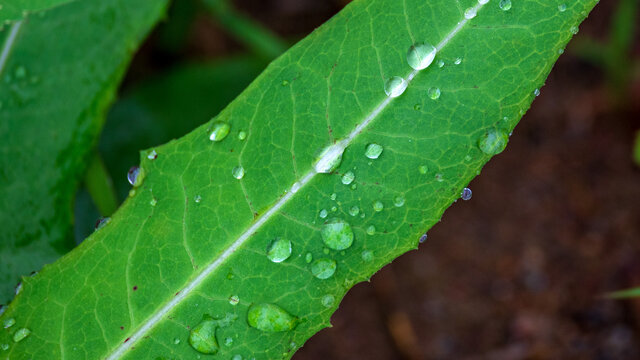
[{"x": 18, "y": 335}]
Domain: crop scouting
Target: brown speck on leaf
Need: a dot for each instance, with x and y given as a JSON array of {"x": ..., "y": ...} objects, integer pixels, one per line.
[
  {"x": 135, "y": 288},
  {"x": 121, "y": 327},
  {"x": 127, "y": 339}
]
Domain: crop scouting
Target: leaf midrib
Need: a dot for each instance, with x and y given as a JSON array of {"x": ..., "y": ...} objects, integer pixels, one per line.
[{"x": 151, "y": 322}]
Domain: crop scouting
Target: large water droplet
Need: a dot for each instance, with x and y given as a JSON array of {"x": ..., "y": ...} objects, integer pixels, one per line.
[
  {"x": 367, "y": 255},
  {"x": 373, "y": 151},
  {"x": 135, "y": 175},
  {"x": 371, "y": 230},
  {"x": 219, "y": 131},
  {"x": 504, "y": 5},
  {"x": 378, "y": 206},
  {"x": 238, "y": 172},
  {"x": 203, "y": 336},
  {"x": 421, "y": 55},
  {"x": 308, "y": 258},
  {"x": 271, "y": 318},
  {"x": 323, "y": 268},
  {"x": 323, "y": 213},
  {"x": 330, "y": 158},
  {"x": 328, "y": 300},
  {"x": 470, "y": 13},
  {"x": 337, "y": 234},
  {"x": 395, "y": 86},
  {"x": 348, "y": 177},
  {"x": 9, "y": 323},
  {"x": 279, "y": 250},
  {"x": 21, "y": 334},
  {"x": 466, "y": 194},
  {"x": 433, "y": 93},
  {"x": 493, "y": 142}
]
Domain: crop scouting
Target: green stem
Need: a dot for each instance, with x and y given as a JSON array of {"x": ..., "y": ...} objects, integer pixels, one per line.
[{"x": 100, "y": 186}]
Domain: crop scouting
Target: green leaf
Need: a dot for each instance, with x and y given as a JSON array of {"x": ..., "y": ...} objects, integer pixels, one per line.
[
  {"x": 188, "y": 249},
  {"x": 14, "y": 10},
  {"x": 59, "y": 72},
  {"x": 624, "y": 294}
]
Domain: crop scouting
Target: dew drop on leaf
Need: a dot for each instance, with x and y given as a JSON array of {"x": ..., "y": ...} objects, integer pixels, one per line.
[
  {"x": 439, "y": 177},
  {"x": 242, "y": 135},
  {"x": 466, "y": 194},
  {"x": 493, "y": 142},
  {"x": 470, "y": 13},
  {"x": 152, "y": 155},
  {"x": 574, "y": 30},
  {"x": 457, "y": 61},
  {"x": 367, "y": 255},
  {"x": 238, "y": 172},
  {"x": 228, "y": 341},
  {"x": 134, "y": 175},
  {"x": 433, "y": 93},
  {"x": 371, "y": 230},
  {"x": 421, "y": 55},
  {"x": 271, "y": 318},
  {"x": 328, "y": 300},
  {"x": 197, "y": 198},
  {"x": 236, "y": 357},
  {"x": 504, "y": 5},
  {"x": 308, "y": 258},
  {"x": 329, "y": 159},
  {"x": 536, "y": 92},
  {"x": 176, "y": 341},
  {"x": 20, "y": 72},
  {"x": 21, "y": 334},
  {"x": 9, "y": 323},
  {"x": 337, "y": 234},
  {"x": 482, "y": 2},
  {"x": 398, "y": 201},
  {"x": 4, "y": 347},
  {"x": 440, "y": 63},
  {"x": 423, "y": 238},
  {"x": 373, "y": 151},
  {"x": 378, "y": 206},
  {"x": 234, "y": 300},
  {"x": 423, "y": 169},
  {"x": 354, "y": 210},
  {"x": 203, "y": 336},
  {"x": 323, "y": 213},
  {"x": 323, "y": 268},
  {"x": 334, "y": 196},
  {"x": 153, "y": 202},
  {"x": 279, "y": 250},
  {"x": 395, "y": 86},
  {"x": 562, "y": 7},
  {"x": 348, "y": 177},
  {"x": 219, "y": 131},
  {"x": 102, "y": 222}
]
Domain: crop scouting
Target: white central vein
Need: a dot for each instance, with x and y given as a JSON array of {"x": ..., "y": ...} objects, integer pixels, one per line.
[
  {"x": 338, "y": 147},
  {"x": 8, "y": 44}
]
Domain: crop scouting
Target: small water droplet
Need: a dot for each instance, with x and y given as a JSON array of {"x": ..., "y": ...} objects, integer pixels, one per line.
[
  {"x": 440, "y": 63},
  {"x": 423, "y": 169},
  {"x": 236, "y": 357},
  {"x": 354, "y": 186},
  {"x": 219, "y": 131},
  {"x": 230, "y": 275},
  {"x": 560, "y": 51},
  {"x": 373, "y": 151},
  {"x": 371, "y": 230},
  {"x": 457, "y": 61},
  {"x": 334, "y": 209},
  {"x": 323, "y": 268},
  {"x": 470, "y": 13},
  {"x": 562, "y": 7},
  {"x": 337, "y": 234},
  {"x": 328, "y": 300},
  {"x": 433, "y": 93},
  {"x": 234, "y": 300},
  {"x": 421, "y": 55},
  {"x": 285, "y": 82},
  {"x": 482, "y": 2},
  {"x": 536, "y": 92},
  {"x": 330, "y": 158},
  {"x": 242, "y": 135},
  {"x": 271, "y": 318},
  {"x": 493, "y": 142},
  {"x": 466, "y": 194},
  {"x": 279, "y": 250},
  {"x": 323, "y": 213},
  {"x": 354, "y": 210},
  {"x": 203, "y": 336},
  {"x": 417, "y": 107},
  {"x": 197, "y": 198},
  {"x": 308, "y": 257},
  {"x": 134, "y": 175},
  {"x": 21, "y": 334},
  {"x": 574, "y": 30},
  {"x": 333, "y": 196},
  {"x": 238, "y": 172},
  {"x": 4, "y": 347},
  {"x": 439, "y": 177},
  {"x": 378, "y": 206},
  {"x": 348, "y": 177},
  {"x": 505, "y": 5},
  {"x": 325, "y": 251},
  {"x": 176, "y": 341},
  {"x": 20, "y": 72},
  {"x": 398, "y": 201},
  {"x": 367, "y": 255},
  {"x": 423, "y": 238},
  {"x": 18, "y": 288},
  {"x": 295, "y": 187},
  {"x": 152, "y": 155},
  {"x": 9, "y": 323},
  {"x": 228, "y": 341},
  {"x": 153, "y": 202},
  {"x": 102, "y": 222},
  {"x": 395, "y": 86}
]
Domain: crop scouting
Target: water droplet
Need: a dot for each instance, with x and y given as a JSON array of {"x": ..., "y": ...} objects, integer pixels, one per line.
[
  {"x": 574, "y": 30},
  {"x": 348, "y": 177},
  {"x": 153, "y": 202},
  {"x": 234, "y": 300},
  {"x": 367, "y": 255},
  {"x": 421, "y": 55},
  {"x": 9, "y": 323},
  {"x": 378, "y": 206},
  {"x": 440, "y": 63},
  {"x": 236, "y": 357},
  {"x": 482, "y": 2},
  {"x": 328, "y": 300},
  {"x": 295, "y": 187},
  {"x": 238, "y": 172},
  {"x": 4, "y": 347},
  {"x": 417, "y": 107},
  {"x": 505, "y": 5},
  {"x": 152, "y": 155},
  {"x": 228, "y": 341},
  {"x": 285, "y": 82},
  {"x": 354, "y": 186},
  {"x": 230, "y": 275},
  {"x": 423, "y": 238},
  {"x": 371, "y": 230},
  {"x": 134, "y": 175},
  {"x": 197, "y": 198},
  {"x": 334, "y": 196},
  {"x": 323, "y": 213},
  {"x": 102, "y": 222},
  {"x": 219, "y": 131},
  {"x": 337, "y": 234},
  {"x": 470, "y": 13},
  {"x": 325, "y": 251},
  {"x": 536, "y": 92},
  {"x": 308, "y": 258},
  {"x": 395, "y": 86},
  {"x": 242, "y": 135},
  {"x": 330, "y": 158},
  {"x": 2, "y": 309},
  {"x": 18, "y": 288},
  {"x": 354, "y": 210},
  {"x": 562, "y": 7},
  {"x": 271, "y": 318},
  {"x": 466, "y": 194},
  {"x": 398, "y": 201},
  {"x": 279, "y": 250},
  {"x": 493, "y": 142},
  {"x": 176, "y": 341},
  {"x": 203, "y": 336},
  {"x": 439, "y": 177},
  {"x": 560, "y": 51},
  {"x": 433, "y": 93},
  {"x": 373, "y": 151},
  {"x": 423, "y": 169},
  {"x": 323, "y": 268},
  {"x": 457, "y": 61},
  {"x": 21, "y": 334},
  {"x": 334, "y": 209}
]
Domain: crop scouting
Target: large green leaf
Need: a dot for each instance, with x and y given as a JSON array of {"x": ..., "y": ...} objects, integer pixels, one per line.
[
  {"x": 185, "y": 258},
  {"x": 60, "y": 71}
]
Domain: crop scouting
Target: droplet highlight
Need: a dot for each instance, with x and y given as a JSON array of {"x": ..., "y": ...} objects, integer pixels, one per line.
[
  {"x": 395, "y": 86},
  {"x": 238, "y": 172},
  {"x": 433, "y": 93},
  {"x": 493, "y": 142},
  {"x": 219, "y": 131},
  {"x": 504, "y": 5},
  {"x": 348, "y": 177}
]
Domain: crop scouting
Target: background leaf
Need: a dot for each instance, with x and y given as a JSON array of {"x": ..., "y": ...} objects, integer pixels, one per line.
[
  {"x": 162, "y": 238},
  {"x": 15, "y": 10}
]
